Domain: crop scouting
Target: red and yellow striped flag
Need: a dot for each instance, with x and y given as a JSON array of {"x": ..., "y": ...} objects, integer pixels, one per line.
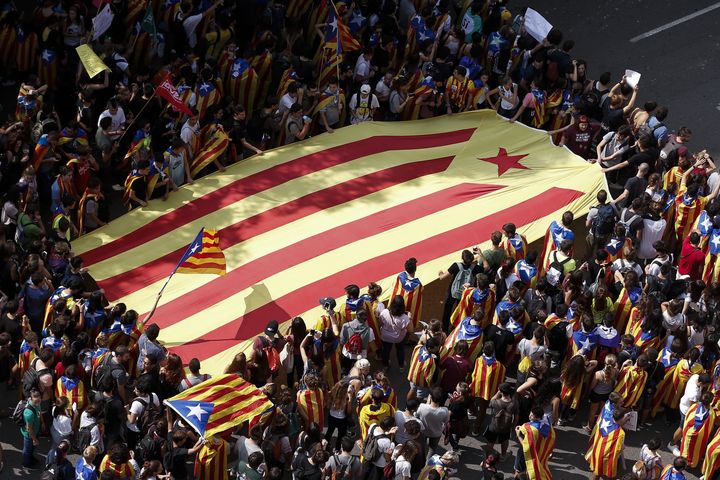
[
  {"x": 305, "y": 219},
  {"x": 204, "y": 255},
  {"x": 219, "y": 404}
]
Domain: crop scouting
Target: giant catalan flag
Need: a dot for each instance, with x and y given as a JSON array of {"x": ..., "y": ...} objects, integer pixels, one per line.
[
  {"x": 306, "y": 219},
  {"x": 219, "y": 404}
]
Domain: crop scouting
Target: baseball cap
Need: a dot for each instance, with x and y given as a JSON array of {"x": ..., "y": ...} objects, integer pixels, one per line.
[
  {"x": 325, "y": 300},
  {"x": 365, "y": 89},
  {"x": 583, "y": 119},
  {"x": 272, "y": 328}
]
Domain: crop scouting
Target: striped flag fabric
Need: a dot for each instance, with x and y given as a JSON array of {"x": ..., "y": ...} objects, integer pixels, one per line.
[
  {"x": 538, "y": 443},
  {"x": 631, "y": 385},
  {"x": 471, "y": 300},
  {"x": 606, "y": 445},
  {"x": 487, "y": 376},
  {"x": 306, "y": 219},
  {"x": 699, "y": 424},
  {"x": 203, "y": 255},
  {"x": 219, "y": 404}
]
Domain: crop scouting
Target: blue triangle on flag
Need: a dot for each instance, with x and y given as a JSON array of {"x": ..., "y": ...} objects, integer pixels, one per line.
[{"x": 195, "y": 413}]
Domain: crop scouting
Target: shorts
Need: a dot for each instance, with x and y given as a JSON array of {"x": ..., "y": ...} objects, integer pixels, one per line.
[
  {"x": 599, "y": 397},
  {"x": 421, "y": 392},
  {"x": 496, "y": 437}
]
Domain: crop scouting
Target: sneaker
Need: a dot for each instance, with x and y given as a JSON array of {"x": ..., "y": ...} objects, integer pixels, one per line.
[
  {"x": 670, "y": 446},
  {"x": 561, "y": 422},
  {"x": 676, "y": 451},
  {"x": 117, "y": 188}
]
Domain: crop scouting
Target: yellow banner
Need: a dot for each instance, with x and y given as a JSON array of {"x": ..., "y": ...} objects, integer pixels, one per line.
[{"x": 92, "y": 63}]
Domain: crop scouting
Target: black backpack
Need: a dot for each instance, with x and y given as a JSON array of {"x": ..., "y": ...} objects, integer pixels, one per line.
[
  {"x": 148, "y": 449},
  {"x": 105, "y": 368},
  {"x": 371, "y": 449},
  {"x": 31, "y": 378},
  {"x": 83, "y": 438},
  {"x": 649, "y": 132},
  {"x": 604, "y": 222},
  {"x": 150, "y": 415},
  {"x": 18, "y": 415}
]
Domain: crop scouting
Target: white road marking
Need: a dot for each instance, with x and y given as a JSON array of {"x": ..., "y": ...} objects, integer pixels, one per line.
[{"x": 675, "y": 23}]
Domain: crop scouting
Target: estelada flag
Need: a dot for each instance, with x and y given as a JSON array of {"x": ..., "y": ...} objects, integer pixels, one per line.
[
  {"x": 203, "y": 255},
  {"x": 538, "y": 443},
  {"x": 711, "y": 464},
  {"x": 472, "y": 299},
  {"x": 696, "y": 430},
  {"x": 486, "y": 377},
  {"x": 631, "y": 384},
  {"x": 219, "y": 404},
  {"x": 167, "y": 91},
  {"x": 606, "y": 445},
  {"x": 306, "y": 219}
]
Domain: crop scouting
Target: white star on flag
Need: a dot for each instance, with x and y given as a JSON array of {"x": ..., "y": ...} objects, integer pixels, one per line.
[
  {"x": 197, "y": 412},
  {"x": 195, "y": 248},
  {"x": 586, "y": 345},
  {"x": 605, "y": 424},
  {"x": 333, "y": 24},
  {"x": 422, "y": 35},
  {"x": 204, "y": 88},
  {"x": 706, "y": 223},
  {"x": 614, "y": 243},
  {"x": 715, "y": 240},
  {"x": 357, "y": 19},
  {"x": 666, "y": 356},
  {"x": 46, "y": 55}
]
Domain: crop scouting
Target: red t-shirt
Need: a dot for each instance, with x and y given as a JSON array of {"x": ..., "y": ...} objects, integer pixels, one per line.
[
  {"x": 692, "y": 260},
  {"x": 455, "y": 369}
]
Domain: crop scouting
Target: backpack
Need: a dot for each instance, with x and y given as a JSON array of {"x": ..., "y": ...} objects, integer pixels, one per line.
[
  {"x": 148, "y": 449},
  {"x": 342, "y": 470},
  {"x": 150, "y": 415},
  {"x": 83, "y": 438},
  {"x": 18, "y": 415},
  {"x": 31, "y": 378},
  {"x": 461, "y": 278},
  {"x": 649, "y": 132},
  {"x": 626, "y": 222},
  {"x": 52, "y": 472},
  {"x": 354, "y": 345},
  {"x": 503, "y": 419},
  {"x": 556, "y": 271},
  {"x": 23, "y": 220},
  {"x": 370, "y": 449},
  {"x": 105, "y": 368},
  {"x": 604, "y": 222}
]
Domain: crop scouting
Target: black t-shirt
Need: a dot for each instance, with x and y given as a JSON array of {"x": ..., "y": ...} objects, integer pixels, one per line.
[
  {"x": 649, "y": 156},
  {"x": 502, "y": 339},
  {"x": 613, "y": 118},
  {"x": 305, "y": 470},
  {"x": 114, "y": 417},
  {"x": 563, "y": 61},
  {"x": 175, "y": 461},
  {"x": 238, "y": 133},
  {"x": 636, "y": 187},
  {"x": 557, "y": 337},
  {"x": 11, "y": 326},
  {"x": 636, "y": 224},
  {"x": 139, "y": 187}
]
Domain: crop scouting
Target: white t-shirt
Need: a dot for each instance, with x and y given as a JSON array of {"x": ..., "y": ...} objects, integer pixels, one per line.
[
  {"x": 117, "y": 120},
  {"x": 190, "y": 25},
  {"x": 245, "y": 448},
  {"x": 402, "y": 468},
  {"x": 392, "y": 328},
  {"x": 62, "y": 424},
  {"x": 96, "y": 439},
  {"x": 138, "y": 408},
  {"x": 189, "y": 132},
  {"x": 673, "y": 322},
  {"x": 362, "y": 67},
  {"x": 384, "y": 444},
  {"x": 621, "y": 263},
  {"x": 361, "y": 108},
  {"x": 286, "y": 101},
  {"x": 653, "y": 230},
  {"x": 692, "y": 394},
  {"x": 383, "y": 90}
]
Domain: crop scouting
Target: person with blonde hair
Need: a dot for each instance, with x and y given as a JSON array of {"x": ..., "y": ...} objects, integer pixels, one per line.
[{"x": 85, "y": 468}]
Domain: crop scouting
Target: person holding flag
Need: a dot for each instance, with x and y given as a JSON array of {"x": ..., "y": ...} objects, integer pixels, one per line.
[
  {"x": 311, "y": 402},
  {"x": 689, "y": 203},
  {"x": 629, "y": 297},
  {"x": 696, "y": 429},
  {"x": 606, "y": 445},
  {"x": 537, "y": 438},
  {"x": 479, "y": 297},
  {"x": 554, "y": 236}
]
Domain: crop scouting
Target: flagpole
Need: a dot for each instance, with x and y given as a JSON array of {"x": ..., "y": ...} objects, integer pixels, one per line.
[
  {"x": 137, "y": 116},
  {"x": 157, "y": 298}
]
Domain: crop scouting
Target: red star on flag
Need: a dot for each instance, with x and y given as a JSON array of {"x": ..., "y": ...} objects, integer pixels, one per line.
[{"x": 505, "y": 162}]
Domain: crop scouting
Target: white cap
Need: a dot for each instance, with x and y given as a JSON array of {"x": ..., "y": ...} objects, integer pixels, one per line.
[{"x": 365, "y": 89}]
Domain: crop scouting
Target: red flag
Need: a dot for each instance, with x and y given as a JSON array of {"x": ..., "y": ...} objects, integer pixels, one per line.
[{"x": 167, "y": 91}]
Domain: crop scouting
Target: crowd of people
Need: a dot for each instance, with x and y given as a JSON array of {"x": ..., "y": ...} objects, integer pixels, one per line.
[{"x": 527, "y": 338}]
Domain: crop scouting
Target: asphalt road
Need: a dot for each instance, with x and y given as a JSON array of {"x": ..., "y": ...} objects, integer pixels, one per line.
[{"x": 678, "y": 64}]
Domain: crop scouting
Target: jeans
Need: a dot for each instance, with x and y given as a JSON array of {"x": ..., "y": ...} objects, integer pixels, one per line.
[
  {"x": 399, "y": 353},
  {"x": 28, "y": 457}
]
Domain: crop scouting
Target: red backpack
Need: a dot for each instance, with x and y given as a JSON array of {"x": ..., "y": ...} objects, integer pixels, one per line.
[{"x": 354, "y": 345}]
